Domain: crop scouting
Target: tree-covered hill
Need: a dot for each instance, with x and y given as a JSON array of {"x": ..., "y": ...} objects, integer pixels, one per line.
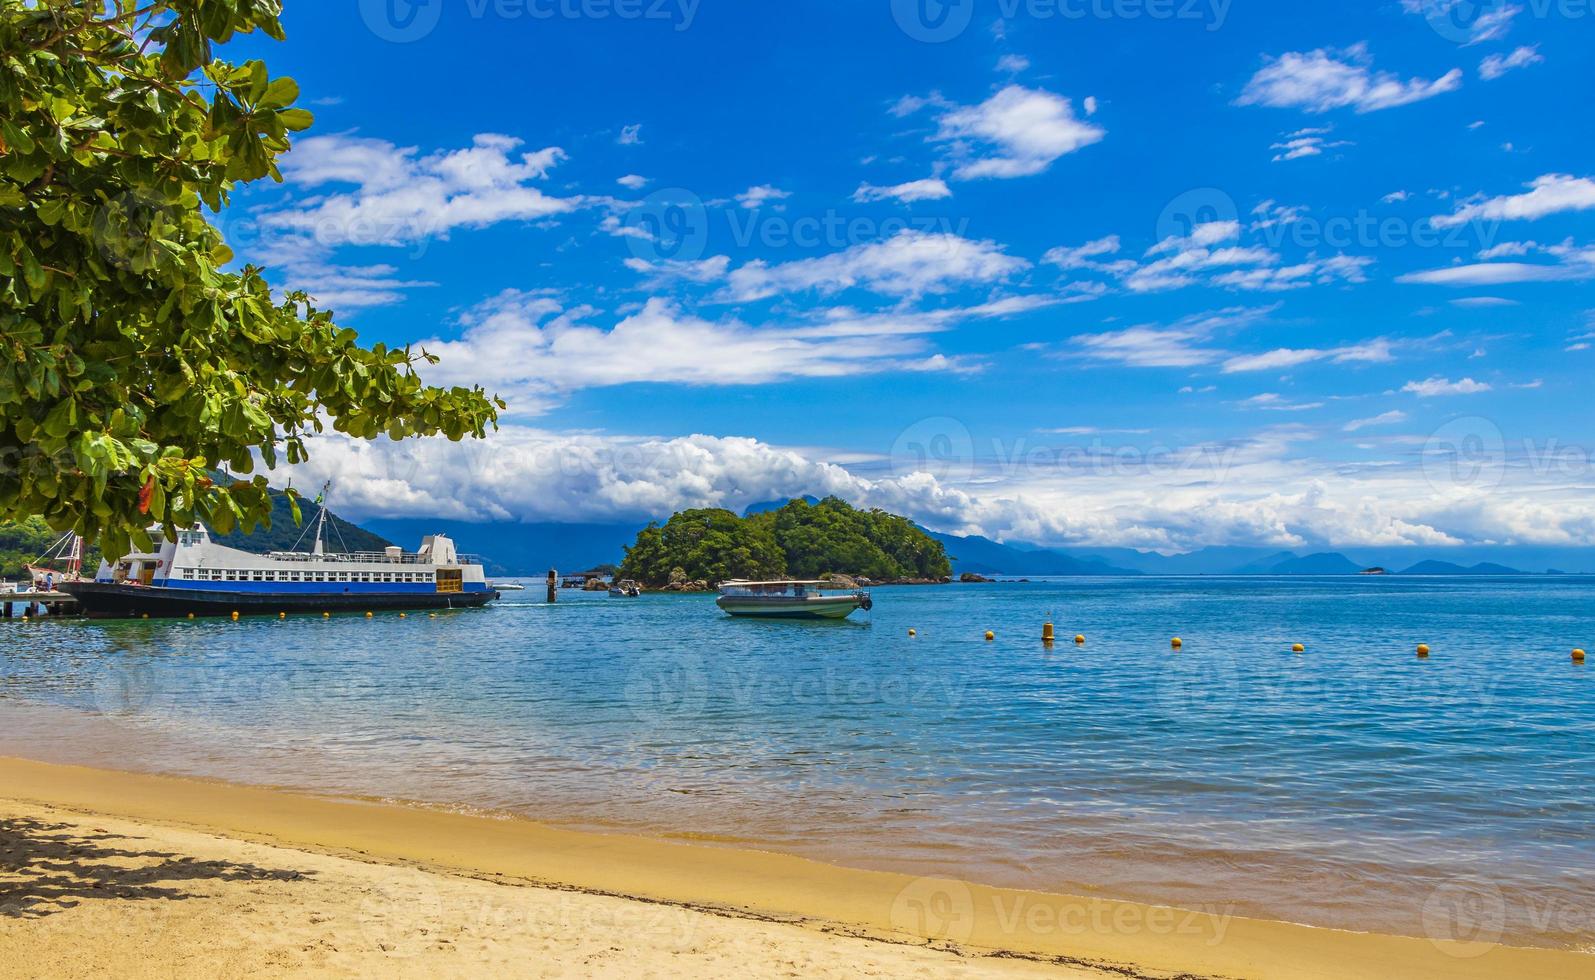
[
  {"x": 284, "y": 532},
  {"x": 22, "y": 542},
  {"x": 799, "y": 540}
]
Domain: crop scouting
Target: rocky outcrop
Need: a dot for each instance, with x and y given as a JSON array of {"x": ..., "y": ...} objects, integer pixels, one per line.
[{"x": 970, "y": 578}]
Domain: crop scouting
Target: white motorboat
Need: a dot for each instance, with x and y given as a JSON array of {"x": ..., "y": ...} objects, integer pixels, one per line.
[{"x": 791, "y": 600}]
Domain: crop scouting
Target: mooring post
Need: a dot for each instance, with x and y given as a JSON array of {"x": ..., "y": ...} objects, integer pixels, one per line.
[
  {"x": 5, "y": 611},
  {"x": 553, "y": 586}
]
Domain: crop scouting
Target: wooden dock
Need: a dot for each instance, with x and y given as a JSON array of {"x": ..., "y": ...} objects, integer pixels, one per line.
[{"x": 30, "y": 604}]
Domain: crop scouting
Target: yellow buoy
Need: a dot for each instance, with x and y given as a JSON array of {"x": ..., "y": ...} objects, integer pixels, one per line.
[
  {"x": 403, "y": 616},
  {"x": 1176, "y": 643},
  {"x": 146, "y": 615},
  {"x": 1080, "y": 639},
  {"x": 913, "y": 632},
  {"x": 990, "y": 635},
  {"x": 1423, "y": 649},
  {"x": 1298, "y": 648},
  {"x": 282, "y": 615},
  {"x": 235, "y": 617},
  {"x": 190, "y": 615},
  {"x": 368, "y": 615},
  {"x": 1048, "y": 634},
  {"x": 431, "y": 615},
  {"x": 1578, "y": 656},
  {"x": 326, "y": 615}
]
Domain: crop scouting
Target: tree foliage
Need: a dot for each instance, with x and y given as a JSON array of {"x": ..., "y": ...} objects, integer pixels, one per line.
[
  {"x": 711, "y": 545},
  {"x": 133, "y": 361},
  {"x": 832, "y": 536},
  {"x": 799, "y": 540}
]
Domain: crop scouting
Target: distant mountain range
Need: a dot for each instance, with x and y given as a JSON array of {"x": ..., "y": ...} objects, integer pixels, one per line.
[
  {"x": 533, "y": 549},
  {"x": 986, "y": 557}
]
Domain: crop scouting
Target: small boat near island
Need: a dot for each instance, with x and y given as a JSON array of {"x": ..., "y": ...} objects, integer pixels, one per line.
[
  {"x": 792, "y": 600},
  {"x": 625, "y": 590}
]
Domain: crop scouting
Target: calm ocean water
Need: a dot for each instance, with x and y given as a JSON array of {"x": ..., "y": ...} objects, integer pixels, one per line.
[{"x": 1353, "y": 785}]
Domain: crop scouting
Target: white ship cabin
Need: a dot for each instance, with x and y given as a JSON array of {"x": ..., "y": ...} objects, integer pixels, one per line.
[{"x": 194, "y": 561}]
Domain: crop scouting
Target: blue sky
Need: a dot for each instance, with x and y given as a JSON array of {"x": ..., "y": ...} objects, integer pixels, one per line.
[{"x": 1158, "y": 274}]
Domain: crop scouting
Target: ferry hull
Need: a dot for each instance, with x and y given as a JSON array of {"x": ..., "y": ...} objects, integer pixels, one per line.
[
  {"x": 839, "y": 607},
  {"x": 102, "y": 600}
]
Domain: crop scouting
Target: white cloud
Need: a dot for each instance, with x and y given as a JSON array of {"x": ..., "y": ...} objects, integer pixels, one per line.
[
  {"x": 532, "y": 350},
  {"x": 1306, "y": 143},
  {"x": 1211, "y": 254},
  {"x": 1574, "y": 263},
  {"x": 634, "y": 182},
  {"x": 1322, "y": 80},
  {"x": 630, "y": 135},
  {"x": 1018, "y": 132},
  {"x": 1090, "y": 105},
  {"x": 1548, "y": 194},
  {"x": 1385, "y": 418},
  {"x": 1395, "y": 197},
  {"x": 1255, "y": 490},
  {"x": 1014, "y": 63},
  {"x": 756, "y": 197},
  {"x": 401, "y": 196},
  {"x": 347, "y": 288},
  {"x": 1273, "y": 402},
  {"x": 929, "y": 189},
  {"x": 1495, "y": 65},
  {"x": 1184, "y": 343},
  {"x": 1146, "y": 346},
  {"x": 1505, "y": 249},
  {"x": 1445, "y": 386},
  {"x": 910, "y": 263},
  {"x": 1469, "y": 21},
  {"x": 1086, "y": 256},
  {"x": 1482, "y": 302},
  {"x": 711, "y": 269},
  {"x": 1368, "y": 352}
]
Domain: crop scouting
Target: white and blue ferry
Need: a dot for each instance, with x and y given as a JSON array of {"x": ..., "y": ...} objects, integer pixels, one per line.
[{"x": 193, "y": 575}]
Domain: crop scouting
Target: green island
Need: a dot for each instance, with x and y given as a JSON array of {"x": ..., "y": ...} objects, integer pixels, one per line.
[{"x": 696, "y": 549}]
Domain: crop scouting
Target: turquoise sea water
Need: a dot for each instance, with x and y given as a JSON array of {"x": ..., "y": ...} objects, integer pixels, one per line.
[{"x": 1353, "y": 785}]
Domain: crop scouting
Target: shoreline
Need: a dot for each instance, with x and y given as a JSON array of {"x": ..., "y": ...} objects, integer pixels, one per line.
[{"x": 1124, "y": 938}]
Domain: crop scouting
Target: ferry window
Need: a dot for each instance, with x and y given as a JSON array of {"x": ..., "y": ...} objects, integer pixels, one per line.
[{"x": 260, "y": 576}]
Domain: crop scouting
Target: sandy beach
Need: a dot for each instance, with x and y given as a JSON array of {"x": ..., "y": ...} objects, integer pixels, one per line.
[{"x": 143, "y": 875}]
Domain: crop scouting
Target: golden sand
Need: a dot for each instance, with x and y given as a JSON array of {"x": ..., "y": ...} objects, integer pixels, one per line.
[{"x": 136, "y": 875}]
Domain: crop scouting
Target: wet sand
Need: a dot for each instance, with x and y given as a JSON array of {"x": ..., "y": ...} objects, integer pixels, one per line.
[{"x": 145, "y": 875}]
